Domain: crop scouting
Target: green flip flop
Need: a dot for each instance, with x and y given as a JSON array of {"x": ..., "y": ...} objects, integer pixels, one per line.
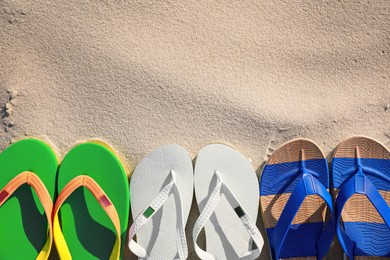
[
  {"x": 93, "y": 204},
  {"x": 27, "y": 179}
]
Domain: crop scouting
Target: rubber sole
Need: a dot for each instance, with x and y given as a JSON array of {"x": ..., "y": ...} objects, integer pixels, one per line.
[
  {"x": 23, "y": 222},
  {"x": 361, "y": 220},
  {"x": 87, "y": 229},
  {"x": 278, "y": 181}
]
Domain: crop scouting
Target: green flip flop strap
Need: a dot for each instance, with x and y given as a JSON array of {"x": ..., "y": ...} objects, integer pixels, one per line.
[{"x": 104, "y": 201}]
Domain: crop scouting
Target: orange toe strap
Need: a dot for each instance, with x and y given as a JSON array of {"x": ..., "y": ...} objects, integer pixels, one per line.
[
  {"x": 101, "y": 197},
  {"x": 36, "y": 183}
]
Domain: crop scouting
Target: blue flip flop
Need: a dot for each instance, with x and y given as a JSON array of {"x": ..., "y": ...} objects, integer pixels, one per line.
[
  {"x": 361, "y": 182},
  {"x": 295, "y": 201}
]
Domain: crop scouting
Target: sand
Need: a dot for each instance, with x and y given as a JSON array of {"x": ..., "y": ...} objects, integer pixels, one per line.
[{"x": 139, "y": 74}]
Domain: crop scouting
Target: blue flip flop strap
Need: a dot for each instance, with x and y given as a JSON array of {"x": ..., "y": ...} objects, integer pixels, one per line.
[
  {"x": 360, "y": 184},
  {"x": 307, "y": 185}
]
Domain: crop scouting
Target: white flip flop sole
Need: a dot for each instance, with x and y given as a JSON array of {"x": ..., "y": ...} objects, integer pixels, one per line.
[
  {"x": 158, "y": 237},
  {"x": 226, "y": 236}
]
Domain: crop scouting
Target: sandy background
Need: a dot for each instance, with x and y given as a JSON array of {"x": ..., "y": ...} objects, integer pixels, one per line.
[{"x": 140, "y": 74}]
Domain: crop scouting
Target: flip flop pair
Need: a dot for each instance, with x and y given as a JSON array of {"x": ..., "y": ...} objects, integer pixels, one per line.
[
  {"x": 89, "y": 218},
  {"x": 226, "y": 191},
  {"x": 300, "y": 215}
]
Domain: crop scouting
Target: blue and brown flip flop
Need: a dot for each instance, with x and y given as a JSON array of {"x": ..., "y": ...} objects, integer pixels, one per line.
[
  {"x": 361, "y": 182},
  {"x": 294, "y": 201}
]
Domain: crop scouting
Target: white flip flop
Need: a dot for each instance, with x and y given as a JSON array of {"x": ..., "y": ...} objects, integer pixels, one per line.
[
  {"x": 161, "y": 191},
  {"x": 227, "y": 193}
]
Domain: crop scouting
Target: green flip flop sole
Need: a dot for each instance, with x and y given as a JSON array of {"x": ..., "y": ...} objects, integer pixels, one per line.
[
  {"x": 88, "y": 231},
  {"x": 23, "y": 222}
]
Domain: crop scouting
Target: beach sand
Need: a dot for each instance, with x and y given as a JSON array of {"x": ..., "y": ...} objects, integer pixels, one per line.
[{"x": 139, "y": 74}]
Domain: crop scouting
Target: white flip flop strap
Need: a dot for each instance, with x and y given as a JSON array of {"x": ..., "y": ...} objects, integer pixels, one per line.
[
  {"x": 247, "y": 222},
  {"x": 148, "y": 214},
  {"x": 204, "y": 217},
  {"x": 181, "y": 240}
]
